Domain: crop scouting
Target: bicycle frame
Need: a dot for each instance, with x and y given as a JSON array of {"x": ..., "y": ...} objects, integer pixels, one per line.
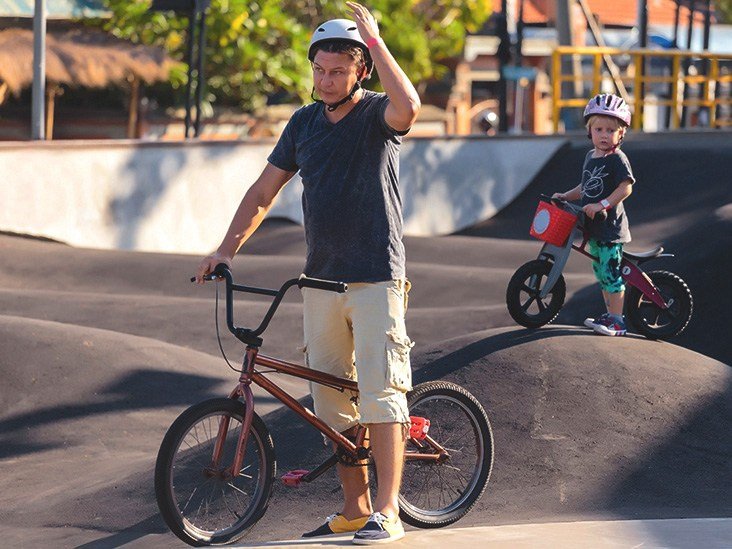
[
  {"x": 629, "y": 269},
  {"x": 250, "y": 375}
]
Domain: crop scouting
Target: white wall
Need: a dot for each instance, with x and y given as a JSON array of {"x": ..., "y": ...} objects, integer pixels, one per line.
[{"x": 179, "y": 197}]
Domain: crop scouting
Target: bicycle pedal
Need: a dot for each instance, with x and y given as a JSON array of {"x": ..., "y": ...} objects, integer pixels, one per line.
[
  {"x": 294, "y": 478},
  {"x": 419, "y": 428}
]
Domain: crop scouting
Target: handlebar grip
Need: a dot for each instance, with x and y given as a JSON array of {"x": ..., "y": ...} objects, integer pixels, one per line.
[
  {"x": 318, "y": 284},
  {"x": 219, "y": 272},
  {"x": 205, "y": 277},
  {"x": 547, "y": 198}
]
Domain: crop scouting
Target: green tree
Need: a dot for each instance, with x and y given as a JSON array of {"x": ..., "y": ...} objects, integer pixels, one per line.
[
  {"x": 257, "y": 50},
  {"x": 724, "y": 10}
]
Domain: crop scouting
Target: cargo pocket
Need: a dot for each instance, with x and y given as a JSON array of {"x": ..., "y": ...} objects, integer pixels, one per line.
[{"x": 398, "y": 369}]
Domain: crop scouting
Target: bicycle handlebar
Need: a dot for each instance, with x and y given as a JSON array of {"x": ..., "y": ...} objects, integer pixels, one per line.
[
  {"x": 575, "y": 209},
  {"x": 251, "y": 337}
]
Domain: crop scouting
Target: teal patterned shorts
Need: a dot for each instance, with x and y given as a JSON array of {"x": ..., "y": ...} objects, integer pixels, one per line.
[{"x": 607, "y": 268}]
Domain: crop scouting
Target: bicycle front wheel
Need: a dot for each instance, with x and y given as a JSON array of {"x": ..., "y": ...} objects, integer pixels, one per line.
[
  {"x": 438, "y": 492},
  {"x": 200, "y": 500},
  {"x": 523, "y": 294}
]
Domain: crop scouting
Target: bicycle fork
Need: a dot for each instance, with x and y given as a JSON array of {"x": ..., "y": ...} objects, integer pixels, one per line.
[
  {"x": 243, "y": 390},
  {"x": 558, "y": 256},
  {"x": 633, "y": 275}
]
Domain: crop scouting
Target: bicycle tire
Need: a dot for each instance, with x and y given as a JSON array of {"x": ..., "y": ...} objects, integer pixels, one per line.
[
  {"x": 436, "y": 494},
  {"x": 527, "y": 280},
  {"x": 198, "y": 503},
  {"x": 650, "y": 320}
]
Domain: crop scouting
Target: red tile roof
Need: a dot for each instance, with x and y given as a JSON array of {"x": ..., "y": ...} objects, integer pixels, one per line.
[{"x": 609, "y": 12}]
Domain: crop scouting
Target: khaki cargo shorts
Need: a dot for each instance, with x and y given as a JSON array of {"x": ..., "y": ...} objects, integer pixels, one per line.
[{"x": 360, "y": 335}]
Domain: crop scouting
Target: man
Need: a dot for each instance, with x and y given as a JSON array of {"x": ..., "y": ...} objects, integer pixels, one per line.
[{"x": 346, "y": 148}]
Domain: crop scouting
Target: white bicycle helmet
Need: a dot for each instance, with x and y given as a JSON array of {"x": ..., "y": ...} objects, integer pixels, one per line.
[
  {"x": 608, "y": 104},
  {"x": 343, "y": 30}
]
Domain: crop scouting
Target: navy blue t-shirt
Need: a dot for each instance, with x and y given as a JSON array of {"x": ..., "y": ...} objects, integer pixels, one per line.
[
  {"x": 351, "y": 202},
  {"x": 600, "y": 177}
]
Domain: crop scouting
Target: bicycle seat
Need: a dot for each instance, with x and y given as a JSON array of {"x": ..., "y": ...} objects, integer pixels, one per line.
[{"x": 650, "y": 254}]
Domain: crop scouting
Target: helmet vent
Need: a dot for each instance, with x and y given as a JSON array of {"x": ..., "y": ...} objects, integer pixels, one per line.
[
  {"x": 321, "y": 29},
  {"x": 351, "y": 28}
]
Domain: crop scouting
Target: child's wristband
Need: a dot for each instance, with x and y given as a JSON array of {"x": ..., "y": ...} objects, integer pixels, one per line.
[
  {"x": 371, "y": 42},
  {"x": 605, "y": 204}
]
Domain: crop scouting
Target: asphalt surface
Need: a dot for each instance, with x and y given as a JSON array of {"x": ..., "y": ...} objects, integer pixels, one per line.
[{"x": 101, "y": 350}]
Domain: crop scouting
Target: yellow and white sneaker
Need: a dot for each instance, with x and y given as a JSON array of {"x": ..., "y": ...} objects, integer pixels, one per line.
[
  {"x": 337, "y": 524},
  {"x": 379, "y": 529}
]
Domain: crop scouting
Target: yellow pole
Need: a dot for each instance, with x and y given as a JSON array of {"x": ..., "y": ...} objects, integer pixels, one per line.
[
  {"x": 597, "y": 74},
  {"x": 638, "y": 103},
  {"x": 557, "y": 91},
  {"x": 675, "y": 91},
  {"x": 713, "y": 76}
]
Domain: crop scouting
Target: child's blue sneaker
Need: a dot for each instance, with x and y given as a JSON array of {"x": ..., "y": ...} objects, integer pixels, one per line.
[
  {"x": 610, "y": 326},
  {"x": 591, "y": 323}
]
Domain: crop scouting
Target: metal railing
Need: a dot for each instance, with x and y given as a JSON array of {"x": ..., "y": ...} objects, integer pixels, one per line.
[{"x": 687, "y": 83}]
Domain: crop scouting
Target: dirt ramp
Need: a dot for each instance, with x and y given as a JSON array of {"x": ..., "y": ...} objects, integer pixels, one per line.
[
  {"x": 593, "y": 426},
  {"x": 681, "y": 200},
  {"x": 82, "y": 414},
  {"x": 680, "y": 180},
  {"x": 585, "y": 427}
]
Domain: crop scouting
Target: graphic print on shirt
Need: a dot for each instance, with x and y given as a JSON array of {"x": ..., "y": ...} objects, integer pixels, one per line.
[{"x": 593, "y": 182}]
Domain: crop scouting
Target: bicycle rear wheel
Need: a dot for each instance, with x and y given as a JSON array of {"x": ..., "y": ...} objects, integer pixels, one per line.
[
  {"x": 654, "y": 322},
  {"x": 435, "y": 493},
  {"x": 201, "y": 502}
]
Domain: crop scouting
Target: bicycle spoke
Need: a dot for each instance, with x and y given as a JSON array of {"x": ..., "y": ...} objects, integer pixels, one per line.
[
  {"x": 205, "y": 498},
  {"x": 525, "y": 306},
  {"x": 236, "y": 488},
  {"x": 438, "y": 486}
]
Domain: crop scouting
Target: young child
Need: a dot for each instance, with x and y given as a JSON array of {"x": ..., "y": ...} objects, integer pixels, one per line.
[{"x": 607, "y": 180}]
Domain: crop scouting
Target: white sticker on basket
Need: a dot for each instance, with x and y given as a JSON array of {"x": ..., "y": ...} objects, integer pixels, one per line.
[{"x": 541, "y": 221}]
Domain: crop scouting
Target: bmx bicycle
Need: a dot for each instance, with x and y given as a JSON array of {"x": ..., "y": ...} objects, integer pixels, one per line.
[
  {"x": 658, "y": 304},
  {"x": 216, "y": 466}
]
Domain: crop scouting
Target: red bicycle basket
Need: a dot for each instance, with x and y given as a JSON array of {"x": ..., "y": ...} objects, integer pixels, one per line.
[{"x": 552, "y": 224}]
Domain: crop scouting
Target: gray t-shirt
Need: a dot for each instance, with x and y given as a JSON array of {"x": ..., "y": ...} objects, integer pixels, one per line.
[
  {"x": 600, "y": 177},
  {"x": 351, "y": 202}
]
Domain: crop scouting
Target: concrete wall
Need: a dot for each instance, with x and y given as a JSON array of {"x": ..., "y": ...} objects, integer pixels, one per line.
[{"x": 179, "y": 197}]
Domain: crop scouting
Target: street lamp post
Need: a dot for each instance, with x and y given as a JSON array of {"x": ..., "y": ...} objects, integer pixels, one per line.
[{"x": 38, "y": 113}]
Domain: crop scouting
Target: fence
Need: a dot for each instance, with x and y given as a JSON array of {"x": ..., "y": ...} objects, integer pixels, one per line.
[{"x": 683, "y": 89}]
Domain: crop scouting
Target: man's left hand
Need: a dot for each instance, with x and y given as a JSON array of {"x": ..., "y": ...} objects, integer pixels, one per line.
[{"x": 367, "y": 26}]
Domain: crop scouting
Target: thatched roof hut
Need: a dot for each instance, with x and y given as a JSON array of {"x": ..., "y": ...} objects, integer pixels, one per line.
[{"x": 80, "y": 57}]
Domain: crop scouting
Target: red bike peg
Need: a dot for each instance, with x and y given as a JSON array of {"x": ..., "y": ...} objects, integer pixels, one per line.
[{"x": 419, "y": 427}]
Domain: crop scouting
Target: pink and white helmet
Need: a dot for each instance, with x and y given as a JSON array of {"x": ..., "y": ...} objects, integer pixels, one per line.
[{"x": 608, "y": 104}]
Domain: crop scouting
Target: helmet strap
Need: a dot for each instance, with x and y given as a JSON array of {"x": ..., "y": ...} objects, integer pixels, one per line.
[{"x": 346, "y": 99}]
